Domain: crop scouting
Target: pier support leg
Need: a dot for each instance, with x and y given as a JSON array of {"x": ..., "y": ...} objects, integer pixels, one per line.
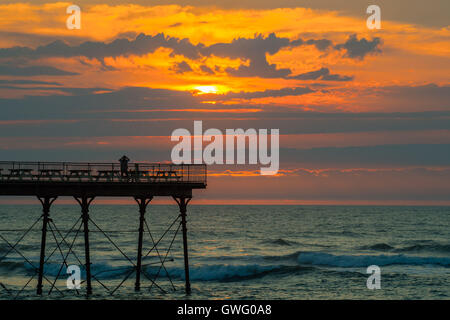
[
  {"x": 143, "y": 203},
  {"x": 46, "y": 204},
  {"x": 182, "y": 204},
  {"x": 84, "y": 202}
]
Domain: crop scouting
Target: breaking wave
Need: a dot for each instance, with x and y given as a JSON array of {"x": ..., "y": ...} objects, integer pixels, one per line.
[{"x": 258, "y": 266}]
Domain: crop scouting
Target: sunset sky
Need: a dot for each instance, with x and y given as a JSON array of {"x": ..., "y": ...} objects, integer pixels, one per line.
[{"x": 364, "y": 115}]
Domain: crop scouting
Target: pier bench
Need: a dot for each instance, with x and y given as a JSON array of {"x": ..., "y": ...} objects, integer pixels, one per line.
[
  {"x": 136, "y": 175},
  {"x": 80, "y": 174},
  {"x": 20, "y": 174},
  {"x": 49, "y": 174},
  {"x": 167, "y": 175},
  {"x": 107, "y": 175}
]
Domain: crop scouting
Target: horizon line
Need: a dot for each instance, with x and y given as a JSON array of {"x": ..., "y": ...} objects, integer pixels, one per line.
[{"x": 239, "y": 202}]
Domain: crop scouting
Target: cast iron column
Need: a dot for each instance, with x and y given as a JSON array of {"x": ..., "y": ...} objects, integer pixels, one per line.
[
  {"x": 84, "y": 202},
  {"x": 182, "y": 203},
  {"x": 46, "y": 203},
  {"x": 142, "y": 202}
]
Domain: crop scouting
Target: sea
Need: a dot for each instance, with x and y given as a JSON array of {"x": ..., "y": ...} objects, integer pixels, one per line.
[{"x": 235, "y": 252}]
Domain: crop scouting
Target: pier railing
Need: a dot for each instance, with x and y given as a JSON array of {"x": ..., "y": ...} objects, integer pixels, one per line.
[{"x": 13, "y": 171}]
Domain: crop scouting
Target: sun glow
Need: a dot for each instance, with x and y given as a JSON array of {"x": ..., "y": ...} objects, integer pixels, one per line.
[{"x": 206, "y": 89}]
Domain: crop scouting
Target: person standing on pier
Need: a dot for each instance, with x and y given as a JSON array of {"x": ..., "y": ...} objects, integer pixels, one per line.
[{"x": 124, "y": 166}]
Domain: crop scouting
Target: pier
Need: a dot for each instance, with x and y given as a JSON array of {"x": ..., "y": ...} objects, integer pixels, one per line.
[{"x": 86, "y": 181}]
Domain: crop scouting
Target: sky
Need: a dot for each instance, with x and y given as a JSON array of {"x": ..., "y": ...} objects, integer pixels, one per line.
[{"x": 364, "y": 115}]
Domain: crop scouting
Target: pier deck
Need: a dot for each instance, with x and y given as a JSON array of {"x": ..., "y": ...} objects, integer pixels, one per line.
[{"x": 99, "y": 179}]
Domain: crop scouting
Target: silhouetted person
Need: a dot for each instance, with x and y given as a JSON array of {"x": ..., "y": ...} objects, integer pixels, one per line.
[{"x": 124, "y": 166}]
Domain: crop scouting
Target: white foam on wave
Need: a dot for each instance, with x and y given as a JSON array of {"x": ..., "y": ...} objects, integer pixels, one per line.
[{"x": 224, "y": 272}]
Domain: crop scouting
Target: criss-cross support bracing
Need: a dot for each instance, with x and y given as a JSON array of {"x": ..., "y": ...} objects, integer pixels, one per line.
[
  {"x": 143, "y": 203},
  {"x": 84, "y": 202},
  {"x": 182, "y": 204},
  {"x": 46, "y": 202}
]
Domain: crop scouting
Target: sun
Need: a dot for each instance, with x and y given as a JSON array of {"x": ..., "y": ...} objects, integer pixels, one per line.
[{"x": 206, "y": 89}]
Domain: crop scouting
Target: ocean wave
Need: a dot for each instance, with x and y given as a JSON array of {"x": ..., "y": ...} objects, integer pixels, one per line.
[
  {"x": 12, "y": 265},
  {"x": 212, "y": 272},
  {"x": 426, "y": 246},
  {"x": 346, "y": 233},
  {"x": 237, "y": 272},
  {"x": 288, "y": 257},
  {"x": 434, "y": 247},
  {"x": 280, "y": 242},
  {"x": 349, "y": 261},
  {"x": 377, "y": 247},
  {"x": 260, "y": 266}
]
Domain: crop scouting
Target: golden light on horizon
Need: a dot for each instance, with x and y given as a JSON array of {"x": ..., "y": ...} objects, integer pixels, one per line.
[{"x": 206, "y": 89}]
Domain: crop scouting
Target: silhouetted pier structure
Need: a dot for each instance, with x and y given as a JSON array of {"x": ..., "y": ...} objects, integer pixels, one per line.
[{"x": 86, "y": 181}]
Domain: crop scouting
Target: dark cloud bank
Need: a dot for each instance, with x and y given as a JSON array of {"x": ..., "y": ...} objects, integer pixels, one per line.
[{"x": 253, "y": 50}]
